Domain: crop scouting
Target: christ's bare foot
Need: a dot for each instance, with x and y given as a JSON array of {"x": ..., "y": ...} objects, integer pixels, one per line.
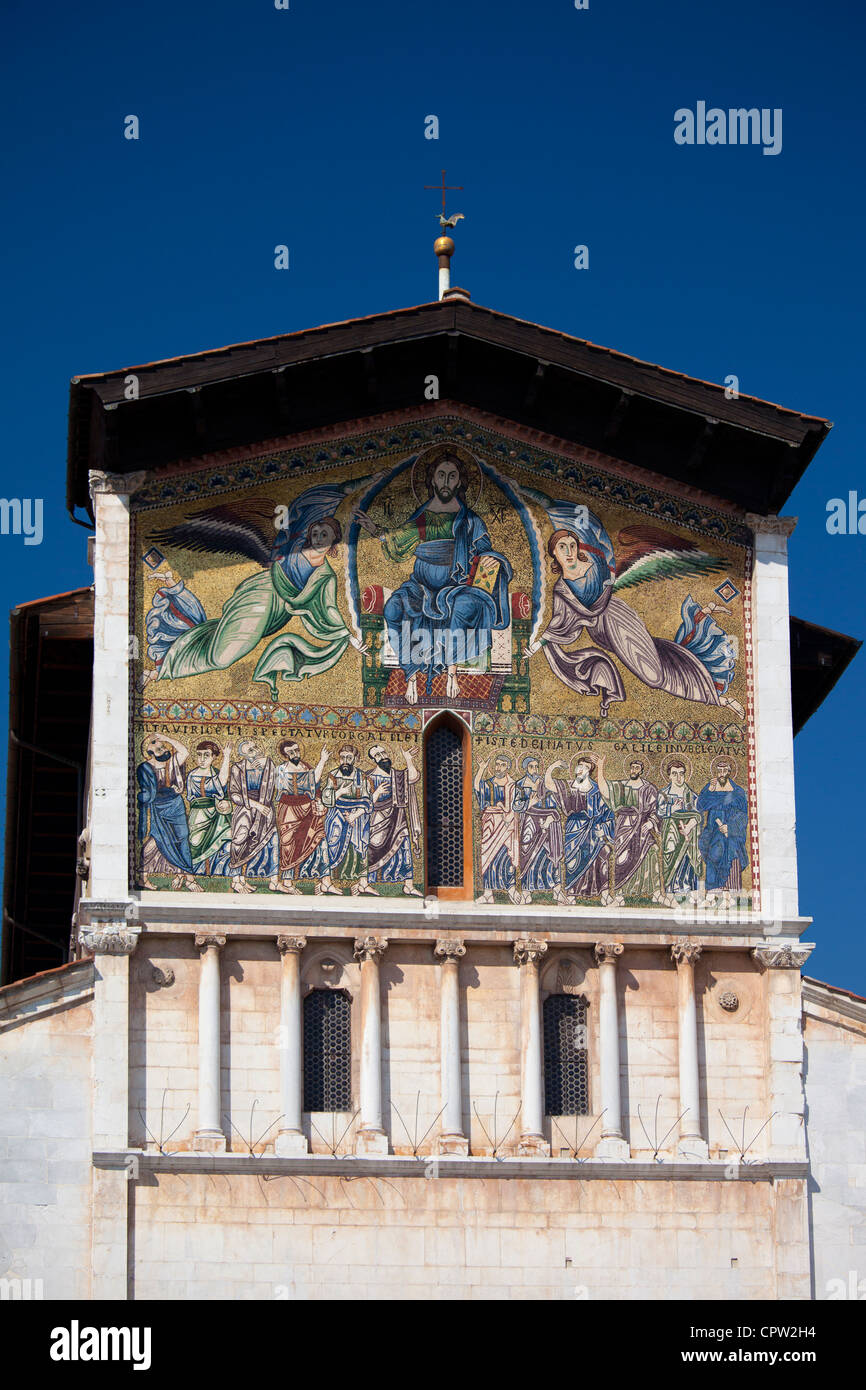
[
  {"x": 452, "y": 689},
  {"x": 412, "y": 690},
  {"x": 734, "y": 705}
]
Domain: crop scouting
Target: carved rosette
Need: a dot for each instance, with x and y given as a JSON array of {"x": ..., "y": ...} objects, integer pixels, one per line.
[
  {"x": 118, "y": 484},
  {"x": 293, "y": 945},
  {"x": 607, "y": 952},
  {"x": 108, "y": 939},
  {"x": 370, "y": 948},
  {"x": 446, "y": 950},
  {"x": 206, "y": 940},
  {"x": 781, "y": 957},
  {"x": 528, "y": 951},
  {"x": 685, "y": 952}
]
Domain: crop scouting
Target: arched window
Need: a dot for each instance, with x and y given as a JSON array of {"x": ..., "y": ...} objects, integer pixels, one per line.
[
  {"x": 566, "y": 1073},
  {"x": 447, "y": 809},
  {"x": 327, "y": 1050}
]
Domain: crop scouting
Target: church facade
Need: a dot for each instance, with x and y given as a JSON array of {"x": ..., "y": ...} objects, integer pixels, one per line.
[{"x": 511, "y": 683}]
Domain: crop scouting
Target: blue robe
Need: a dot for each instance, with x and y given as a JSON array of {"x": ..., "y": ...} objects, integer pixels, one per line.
[
  {"x": 439, "y": 600},
  {"x": 589, "y": 825},
  {"x": 164, "y": 808},
  {"x": 721, "y": 851}
]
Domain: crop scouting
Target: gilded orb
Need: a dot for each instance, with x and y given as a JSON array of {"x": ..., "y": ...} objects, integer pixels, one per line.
[{"x": 443, "y": 246}]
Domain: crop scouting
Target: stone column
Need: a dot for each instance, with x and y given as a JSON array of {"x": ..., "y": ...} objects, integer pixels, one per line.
[
  {"x": 291, "y": 1139},
  {"x": 371, "y": 1138},
  {"x": 612, "y": 1143},
  {"x": 113, "y": 643},
  {"x": 773, "y": 769},
  {"x": 209, "y": 1136},
  {"x": 532, "y": 1143},
  {"x": 693, "y": 1144},
  {"x": 112, "y": 943},
  {"x": 452, "y": 1140}
]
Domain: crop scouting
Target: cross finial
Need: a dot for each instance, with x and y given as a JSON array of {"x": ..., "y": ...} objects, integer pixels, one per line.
[{"x": 446, "y": 188}]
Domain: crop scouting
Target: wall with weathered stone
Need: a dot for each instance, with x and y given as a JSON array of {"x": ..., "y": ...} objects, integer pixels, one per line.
[
  {"x": 45, "y": 1132},
  {"x": 835, "y": 1045},
  {"x": 229, "y": 1237}
]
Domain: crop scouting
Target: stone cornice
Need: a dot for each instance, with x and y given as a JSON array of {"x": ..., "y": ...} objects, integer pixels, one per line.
[
  {"x": 333, "y": 916},
  {"x": 426, "y": 1165}
]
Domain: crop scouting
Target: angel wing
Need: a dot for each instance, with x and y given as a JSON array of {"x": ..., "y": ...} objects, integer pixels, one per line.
[
  {"x": 244, "y": 528},
  {"x": 651, "y": 553},
  {"x": 256, "y": 527},
  {"x": 577, "y": 518}
]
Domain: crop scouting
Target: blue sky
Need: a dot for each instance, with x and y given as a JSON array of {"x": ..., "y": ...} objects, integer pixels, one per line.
[{"x": 261, "y": 126}]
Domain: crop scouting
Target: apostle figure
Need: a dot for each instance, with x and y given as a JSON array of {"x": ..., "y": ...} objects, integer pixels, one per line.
[
  {"x": 722, "y": 840},
  {"x": 395, "y": 825},
  {"x": 678, "y": 812},
  {"x": 210, "y": 821},
  {"x": 637, "y": 845},
  {"x": 255, "y": 847},
  {"x": 500, "y": 842},
  {"x": 458, "y": 591},
  {"x": 540, "y": 830},
  {"x": 162, "y": 824},
  {"x": 697, "y": 665},
  {"x": 300, "y": 815},
  {"x": 173, "y": 611},
  {"x": 346, "y": 798},
  {"x": 589, "y": 830}
]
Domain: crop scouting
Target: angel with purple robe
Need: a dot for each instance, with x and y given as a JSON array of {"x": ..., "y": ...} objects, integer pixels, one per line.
[{"x": 697, "y": 665}]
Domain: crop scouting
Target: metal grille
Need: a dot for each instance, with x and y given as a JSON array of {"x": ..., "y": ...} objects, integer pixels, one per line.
[
  {"x": 327, "y": 1051},
  {"x": 444, "y": 793},
  {"x": 566, "y": 1087}
]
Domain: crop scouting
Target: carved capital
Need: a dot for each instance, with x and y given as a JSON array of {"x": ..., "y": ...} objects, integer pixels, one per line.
[
  {"x": 206, "y": 940},
  {"x": 293, "y": 945},
  {"x": 771, "y": 525},
  {"x": 370, "y": 948},
  {"x": 446, "y": 950},
  {"x": 109, "y": 939},
  {"x": 117, "y": 484},
  {"x": 781, "y": 957},
  {"x": 607, "y": 952},
  {"x": 528, "y": 951},
  {"x": 685, "y": 952}
]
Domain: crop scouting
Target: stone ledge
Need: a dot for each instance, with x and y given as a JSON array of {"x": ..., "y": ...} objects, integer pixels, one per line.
[{"x": 139, "y": 1163}]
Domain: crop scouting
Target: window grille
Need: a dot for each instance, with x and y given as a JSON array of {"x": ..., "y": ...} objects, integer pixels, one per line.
[
  {"x": 566, "y": 1085},
  {"x": 327, "y": 1050},
  {"x": 444, "y": 795}
]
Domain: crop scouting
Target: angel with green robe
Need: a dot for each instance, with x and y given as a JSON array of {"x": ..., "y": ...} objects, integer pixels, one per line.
[{"x": 297, "y": 580}]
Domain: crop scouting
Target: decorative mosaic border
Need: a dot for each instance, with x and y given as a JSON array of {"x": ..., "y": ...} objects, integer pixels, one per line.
[{"x": 372, "y": 445}]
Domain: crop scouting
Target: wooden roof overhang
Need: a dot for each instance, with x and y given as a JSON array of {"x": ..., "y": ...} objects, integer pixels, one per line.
[{"x": 747, "y": 451}]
